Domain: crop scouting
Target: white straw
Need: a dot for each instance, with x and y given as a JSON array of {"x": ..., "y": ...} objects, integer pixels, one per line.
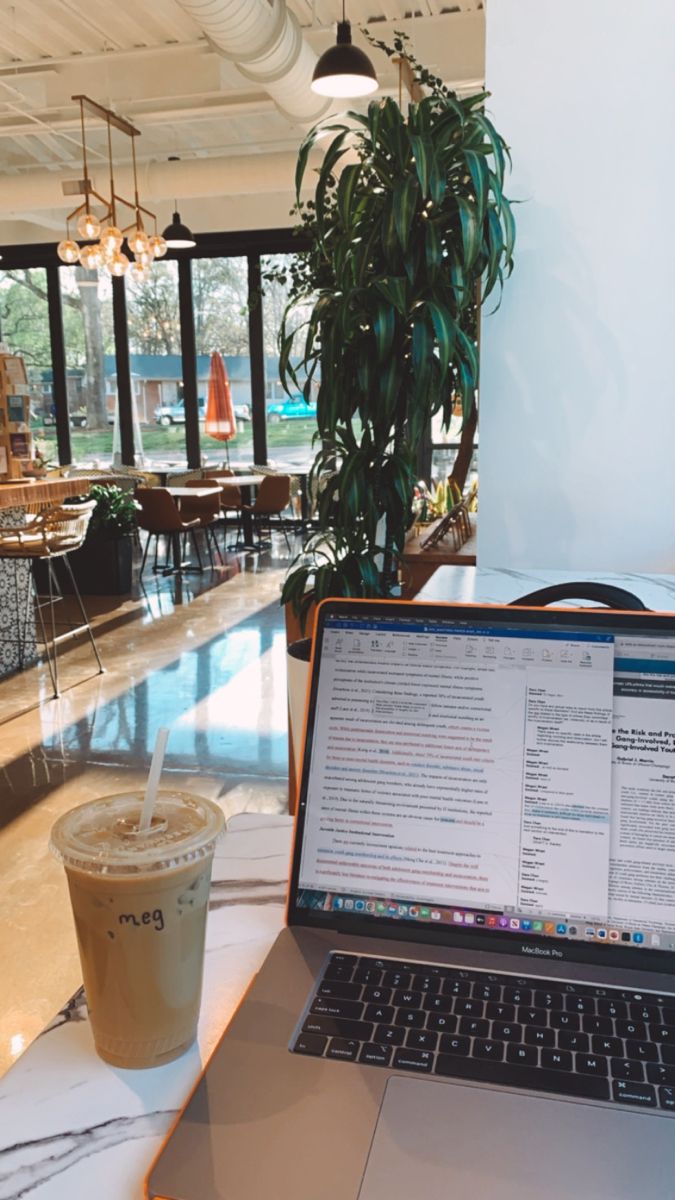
[{"x": 153, "y": 780}]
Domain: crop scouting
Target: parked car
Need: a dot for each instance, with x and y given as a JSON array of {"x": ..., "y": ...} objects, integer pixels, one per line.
[
  {"x": 78, "y": 419},
  {"x": 174, "y": 414},
  {"x": 291, "y": 409}
]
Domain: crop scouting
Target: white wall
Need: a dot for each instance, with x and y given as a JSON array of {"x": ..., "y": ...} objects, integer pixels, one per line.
[{"x": 577, "y": 416}]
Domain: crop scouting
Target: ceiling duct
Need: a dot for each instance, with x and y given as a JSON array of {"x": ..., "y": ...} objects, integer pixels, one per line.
[{"x": 265, "y": 42}]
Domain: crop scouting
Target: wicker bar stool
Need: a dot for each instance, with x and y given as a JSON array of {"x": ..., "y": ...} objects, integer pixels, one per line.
[{"x": 49, "y": 534}]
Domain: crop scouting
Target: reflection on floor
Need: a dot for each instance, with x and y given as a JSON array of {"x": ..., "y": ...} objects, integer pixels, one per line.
[{"x": 204, "y": 655}]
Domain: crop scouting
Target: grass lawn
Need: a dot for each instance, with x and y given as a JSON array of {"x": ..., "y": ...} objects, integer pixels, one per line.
[{"x": 168, "y": 442}]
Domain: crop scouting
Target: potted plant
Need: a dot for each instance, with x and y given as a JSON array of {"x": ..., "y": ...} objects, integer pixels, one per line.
[
  {"x": 408, "y": 232},
  {"x": 102, "y": 566}
]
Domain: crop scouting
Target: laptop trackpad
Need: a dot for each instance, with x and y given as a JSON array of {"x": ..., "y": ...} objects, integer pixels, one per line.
[{"x": 444, "y": 1141}]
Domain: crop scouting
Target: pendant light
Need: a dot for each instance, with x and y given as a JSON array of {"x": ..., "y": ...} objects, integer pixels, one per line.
[
  {"x": 177, "y": 236},
  {"x": 344, "y": 70}
]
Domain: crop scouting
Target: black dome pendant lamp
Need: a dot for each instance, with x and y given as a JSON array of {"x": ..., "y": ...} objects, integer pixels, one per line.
[
  {"x": 344, "y": 70},
  {"x": 177, "y": 235}
]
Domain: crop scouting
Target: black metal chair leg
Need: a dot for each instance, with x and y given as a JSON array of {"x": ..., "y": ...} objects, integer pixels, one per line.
[
  {"x": 195, "y": 543},
  {"x": 145, "y": 555}
]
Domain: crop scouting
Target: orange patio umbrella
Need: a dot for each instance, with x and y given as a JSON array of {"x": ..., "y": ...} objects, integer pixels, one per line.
[{"x": 220, "y": 421}]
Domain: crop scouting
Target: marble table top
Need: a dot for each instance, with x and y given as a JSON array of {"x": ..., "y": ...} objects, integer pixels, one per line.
[
  {"x": 491, "y": 585},
  {"x": 71, "y": 1125}
]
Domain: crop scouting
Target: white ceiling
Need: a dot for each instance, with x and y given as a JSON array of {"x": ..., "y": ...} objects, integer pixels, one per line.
[{"x": 151, "y": 62}]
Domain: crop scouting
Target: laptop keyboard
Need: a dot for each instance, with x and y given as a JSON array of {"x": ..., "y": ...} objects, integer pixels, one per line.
[{"x": 595, "y": 1043}]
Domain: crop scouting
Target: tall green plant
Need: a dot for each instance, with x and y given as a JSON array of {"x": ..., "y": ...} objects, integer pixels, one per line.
[{"x": 409, "y": 230}]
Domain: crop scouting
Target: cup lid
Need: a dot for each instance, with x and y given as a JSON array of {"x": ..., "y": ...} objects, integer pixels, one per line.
[{"x": 101, "y": 837}]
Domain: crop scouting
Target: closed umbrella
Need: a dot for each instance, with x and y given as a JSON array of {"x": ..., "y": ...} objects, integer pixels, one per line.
[{"x": 220, "y": 421}]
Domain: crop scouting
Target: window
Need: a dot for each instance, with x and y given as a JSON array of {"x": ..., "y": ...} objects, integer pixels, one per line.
[
  {"x": 90, "y": 363},
  {"x": 24, "y": 328},
  {"x": 220, "y": 298},
  {"x": 291, "y": 423},
  {"x": 153, "y": 319}
]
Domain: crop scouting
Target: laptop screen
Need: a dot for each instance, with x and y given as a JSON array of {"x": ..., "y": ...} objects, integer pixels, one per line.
[{"x": 492, "y": 771}]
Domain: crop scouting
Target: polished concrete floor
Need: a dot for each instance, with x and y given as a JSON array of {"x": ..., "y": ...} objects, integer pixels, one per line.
[{"x": 204, "y": 655}]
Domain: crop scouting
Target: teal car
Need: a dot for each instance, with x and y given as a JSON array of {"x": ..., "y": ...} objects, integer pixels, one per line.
[{"x": 291, "y": 409}]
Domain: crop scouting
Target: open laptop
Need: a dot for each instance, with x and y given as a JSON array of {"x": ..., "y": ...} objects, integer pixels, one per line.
[{"x": 474, "y": 995}]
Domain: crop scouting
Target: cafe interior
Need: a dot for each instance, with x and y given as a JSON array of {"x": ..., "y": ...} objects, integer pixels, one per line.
[{"x": 157, "y": 434}]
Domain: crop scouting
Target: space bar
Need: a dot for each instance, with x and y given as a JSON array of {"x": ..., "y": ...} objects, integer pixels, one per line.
[{"x": 590, "y": 1087}]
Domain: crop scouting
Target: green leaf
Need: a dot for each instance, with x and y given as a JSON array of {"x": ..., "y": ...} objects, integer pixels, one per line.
[
  {"x": 468, "y": 352},
  {"x": 480, "y": 178},
  {"x": 404, "y": 203},
  {"x": 384, "y": 324},
  {"x": 393, "y": 288},
  {"x": 470, "y": 227},
  {"x": 496, "y": 143},
  {"x": 346, "y": 190},
  {"x": 433, "y": 246},
  {"x": 495, "y": 250},
  {"x": 421, "y": 149},
  {"x": 445, "y": 330}
]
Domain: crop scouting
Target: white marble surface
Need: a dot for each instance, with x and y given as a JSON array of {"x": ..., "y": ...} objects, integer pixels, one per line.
[
  {"x": 495, "y": 586},
  {"x": 71, "y": 1126}
]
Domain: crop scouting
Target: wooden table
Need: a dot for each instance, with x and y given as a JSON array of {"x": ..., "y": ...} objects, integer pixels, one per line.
[{"x": 418, "y": 564}]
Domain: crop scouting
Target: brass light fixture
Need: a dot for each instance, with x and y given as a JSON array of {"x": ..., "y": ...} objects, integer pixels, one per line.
[{"x": 103, "y": 237}]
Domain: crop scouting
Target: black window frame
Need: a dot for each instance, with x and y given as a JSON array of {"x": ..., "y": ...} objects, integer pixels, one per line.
[{"x": 253, "y": 244}]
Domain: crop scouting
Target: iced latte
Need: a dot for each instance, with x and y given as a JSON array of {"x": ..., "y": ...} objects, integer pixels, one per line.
[{"x": 139, "y": 903}]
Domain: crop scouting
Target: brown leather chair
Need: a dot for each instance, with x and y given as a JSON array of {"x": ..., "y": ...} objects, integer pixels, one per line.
[
  {"x": 273, "y": 497},
  {"x": 230, "y": 502},
  {"x": 206, "y": 510},
  {"x": 160, "y": 517}
]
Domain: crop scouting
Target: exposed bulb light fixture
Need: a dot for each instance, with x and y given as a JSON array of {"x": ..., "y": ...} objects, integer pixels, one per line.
[
  {"x": 158, "y": 246},
  {"x": 68, "y": 251},
  {"x": 344, "y": 70},
  {"x": 91, "y": 257},
  {"x": 117, "y": 264},
  {"x": 111, "y": 240},
  {"x": 88, "y": 226},
  {"x": 138, "y": 241},
  {"x": 103, "y": 235}
]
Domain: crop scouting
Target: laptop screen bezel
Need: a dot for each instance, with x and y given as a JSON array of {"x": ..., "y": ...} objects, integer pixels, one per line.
[{"x": 539, "y": 946}]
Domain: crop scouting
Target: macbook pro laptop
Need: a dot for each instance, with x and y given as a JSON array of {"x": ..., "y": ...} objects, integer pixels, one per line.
[{"x": 474, "y": 995}]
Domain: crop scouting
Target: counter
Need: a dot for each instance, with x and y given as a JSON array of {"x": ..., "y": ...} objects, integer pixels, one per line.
[
  {"x": 71, "y": 1125},
  {"x": 491, "y": 585}
]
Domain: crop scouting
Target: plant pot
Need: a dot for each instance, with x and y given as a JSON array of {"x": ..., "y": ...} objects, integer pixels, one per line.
[{"x": 102, "y": 567}]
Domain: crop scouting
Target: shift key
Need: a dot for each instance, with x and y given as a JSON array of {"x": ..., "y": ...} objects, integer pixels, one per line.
[{"x": 361, "y": 1031}]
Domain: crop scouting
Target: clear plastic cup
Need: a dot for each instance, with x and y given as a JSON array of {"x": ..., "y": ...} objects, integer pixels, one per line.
[{"x": 139, "y": 902}]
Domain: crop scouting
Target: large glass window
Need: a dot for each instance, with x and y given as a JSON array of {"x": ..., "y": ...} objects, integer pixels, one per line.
[
  {"x": 24, "y": 330},
  {"x": 86, "y": 298},
  {"x": 220, "y": 298},
  {"x": 153, "y": 318},
  {"x": 291, "y": 423}
]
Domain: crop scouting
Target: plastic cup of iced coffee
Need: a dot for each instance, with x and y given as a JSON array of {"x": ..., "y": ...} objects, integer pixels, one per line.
[{"x": 139, "y": 902}]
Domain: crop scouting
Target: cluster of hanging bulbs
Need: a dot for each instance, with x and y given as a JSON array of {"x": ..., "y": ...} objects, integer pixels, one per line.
[{"x": 104, "y": 248}]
